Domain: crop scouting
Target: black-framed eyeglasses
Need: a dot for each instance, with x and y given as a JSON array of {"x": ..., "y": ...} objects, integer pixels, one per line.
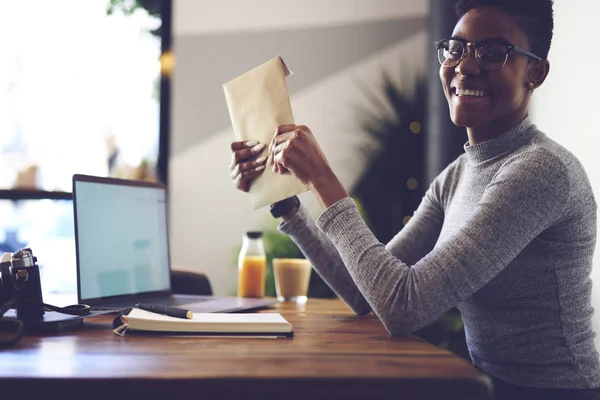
[{"x": 490, "y": 53}]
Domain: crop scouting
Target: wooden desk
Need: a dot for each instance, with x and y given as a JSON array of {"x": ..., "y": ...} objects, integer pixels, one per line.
[{"x": 334, "y": 354}]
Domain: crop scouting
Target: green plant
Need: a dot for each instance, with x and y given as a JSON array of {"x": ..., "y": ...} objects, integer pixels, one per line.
[{"x": 391, "y": 187}]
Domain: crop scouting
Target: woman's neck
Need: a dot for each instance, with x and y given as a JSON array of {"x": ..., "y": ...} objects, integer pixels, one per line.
[{"x": 493, "y": 129}]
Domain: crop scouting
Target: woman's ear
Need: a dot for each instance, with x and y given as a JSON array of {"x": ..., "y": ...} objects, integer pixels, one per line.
[{"x": 538, "y": 71}]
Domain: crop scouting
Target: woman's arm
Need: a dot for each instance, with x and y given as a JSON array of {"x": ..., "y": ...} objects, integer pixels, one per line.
[
  {"x": 325, "y": 259},
  {"x": 412, "y": 243},
  {"x": 523, "y": 199},
  {"x": 295, "y": 147},
  {"x": 316, "y": 246}
]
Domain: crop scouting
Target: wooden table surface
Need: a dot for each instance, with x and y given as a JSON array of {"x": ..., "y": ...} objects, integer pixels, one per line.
[{"x": 334, "y": 354}]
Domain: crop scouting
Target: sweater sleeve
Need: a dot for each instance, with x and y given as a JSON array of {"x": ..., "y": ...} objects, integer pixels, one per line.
[
  {"x": 415, "y": 240},
  {"x": 419, "y": 235},
  {"x": 325, "y": 259},
  {"x": 521, "y": 201}
]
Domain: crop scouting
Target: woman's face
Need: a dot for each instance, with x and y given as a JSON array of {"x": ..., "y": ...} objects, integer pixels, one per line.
[{"x": 505, "y": 96}]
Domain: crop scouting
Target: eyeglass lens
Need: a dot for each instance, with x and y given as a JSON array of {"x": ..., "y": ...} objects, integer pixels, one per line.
[{"x": 489, "y": 55}]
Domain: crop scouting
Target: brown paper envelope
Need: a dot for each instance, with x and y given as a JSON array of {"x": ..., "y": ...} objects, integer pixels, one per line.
[{"x": 258, "y": 102}]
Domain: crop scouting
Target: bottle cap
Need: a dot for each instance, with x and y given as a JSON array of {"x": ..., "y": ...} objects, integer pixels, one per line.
[{"x": 254, "y": 234}]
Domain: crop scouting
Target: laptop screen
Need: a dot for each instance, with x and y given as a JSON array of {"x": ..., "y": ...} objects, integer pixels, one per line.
[{"x": 122, "y": 244}]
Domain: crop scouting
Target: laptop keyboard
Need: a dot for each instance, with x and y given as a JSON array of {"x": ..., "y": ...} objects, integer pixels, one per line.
[
  {"x": 167, "y": 301},
  {"x": 181, "y": 302}
]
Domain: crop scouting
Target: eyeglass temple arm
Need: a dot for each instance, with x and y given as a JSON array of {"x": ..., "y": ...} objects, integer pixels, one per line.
[{"x": 527, "y": 53}]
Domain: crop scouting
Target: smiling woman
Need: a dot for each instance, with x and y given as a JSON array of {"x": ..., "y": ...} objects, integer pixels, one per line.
[
  {"x": 488, "y": 72},
  {"x": 506, "y": 233}
]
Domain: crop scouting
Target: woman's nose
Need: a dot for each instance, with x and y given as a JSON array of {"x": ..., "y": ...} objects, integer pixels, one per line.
[{"x": 468, "y": 64}]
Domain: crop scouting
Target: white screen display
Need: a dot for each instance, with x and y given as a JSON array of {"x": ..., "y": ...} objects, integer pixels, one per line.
[{"x": 122, "y": 239}]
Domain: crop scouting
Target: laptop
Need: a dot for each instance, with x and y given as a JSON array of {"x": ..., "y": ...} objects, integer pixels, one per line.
[{"x": 122, "y": 248}]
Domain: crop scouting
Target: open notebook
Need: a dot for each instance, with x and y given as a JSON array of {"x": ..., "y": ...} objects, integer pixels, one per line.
[{"x": 213, "y": 324}]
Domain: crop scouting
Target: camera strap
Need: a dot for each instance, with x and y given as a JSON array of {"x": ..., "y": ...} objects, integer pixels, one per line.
[{"x": 12, "y": 329}]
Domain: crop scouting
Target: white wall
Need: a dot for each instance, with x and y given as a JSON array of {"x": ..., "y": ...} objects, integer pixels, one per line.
[
  {"x": 208, "y": 216},
  {"x": 210, "y": 16},
  {"x": 566, "y": 106}
]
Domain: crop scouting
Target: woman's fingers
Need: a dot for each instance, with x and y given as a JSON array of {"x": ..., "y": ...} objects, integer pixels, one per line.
[
  {"x": 281, "y": 157},
  {"x": 243, "y": 167},
  {"x": 248, "y": 166},
  {"x": 278, "y": 141},
  {"x": 276, "y": 156},
  {"x": 243, "y": 173},
  {"x": 249, "y": 173},
  {"x": 281, "y": 146},
  {"x": 243, "y": 179},
  {"x": 285, "y": 128},
  {"x": 280, "y": 135},
  {"x": 282, "y": 142},
  {"x": 243, "y": 144},
  {"x": 244, "y": 151}
]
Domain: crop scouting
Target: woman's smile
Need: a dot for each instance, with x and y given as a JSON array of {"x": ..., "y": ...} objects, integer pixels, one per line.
[{"x": 465, "y": 95}]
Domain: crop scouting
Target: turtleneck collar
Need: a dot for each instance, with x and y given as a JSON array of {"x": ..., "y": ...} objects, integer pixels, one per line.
[{"x": 509, "y": 140}]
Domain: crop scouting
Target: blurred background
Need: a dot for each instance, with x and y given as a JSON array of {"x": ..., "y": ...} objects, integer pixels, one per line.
[{"x": 132, "y": 89}]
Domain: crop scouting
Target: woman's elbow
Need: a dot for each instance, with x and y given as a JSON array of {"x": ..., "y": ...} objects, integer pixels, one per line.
[
  {"x": 398, "y": 330},
  {"x": 400, "y": 326},
  {"x": 361, "y": 308},
  {"x": 362, "y": 311}
]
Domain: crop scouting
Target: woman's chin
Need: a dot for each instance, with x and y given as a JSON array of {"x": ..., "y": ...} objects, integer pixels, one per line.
[{"x": 466, "y": 120}]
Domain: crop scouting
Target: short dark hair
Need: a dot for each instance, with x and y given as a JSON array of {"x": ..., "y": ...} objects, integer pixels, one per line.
[{"x": 535, "y": 18}]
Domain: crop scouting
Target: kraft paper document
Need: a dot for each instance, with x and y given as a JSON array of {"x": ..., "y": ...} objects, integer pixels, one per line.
[{"x": 258, "y": 102}]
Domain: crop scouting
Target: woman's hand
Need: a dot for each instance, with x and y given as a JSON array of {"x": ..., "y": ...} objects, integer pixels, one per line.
[
  {"x": 246, "y": 163},
  {"x": 295, "y": 149}
]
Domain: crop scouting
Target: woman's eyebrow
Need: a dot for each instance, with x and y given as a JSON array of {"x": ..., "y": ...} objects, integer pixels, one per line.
[
  {"x": 491, "y": 39},
  {"x": 495, "y": 39}
]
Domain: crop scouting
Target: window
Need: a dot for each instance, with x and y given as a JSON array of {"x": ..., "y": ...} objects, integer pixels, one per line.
[{"x": 81, "y": 91}]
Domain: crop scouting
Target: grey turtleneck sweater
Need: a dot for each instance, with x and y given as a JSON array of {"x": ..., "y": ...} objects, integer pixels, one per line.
[{"x": 506, "y": 233}]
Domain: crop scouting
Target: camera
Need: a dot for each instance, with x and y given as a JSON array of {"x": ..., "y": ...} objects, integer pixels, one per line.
[{"x": 20, "y": 284}]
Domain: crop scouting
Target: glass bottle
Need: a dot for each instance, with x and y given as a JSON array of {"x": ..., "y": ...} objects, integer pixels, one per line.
[{"x": 252, "y": 265}]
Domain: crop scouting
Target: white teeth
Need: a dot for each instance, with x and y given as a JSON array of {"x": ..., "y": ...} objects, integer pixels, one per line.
[{"x": 467, "y": 92}]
